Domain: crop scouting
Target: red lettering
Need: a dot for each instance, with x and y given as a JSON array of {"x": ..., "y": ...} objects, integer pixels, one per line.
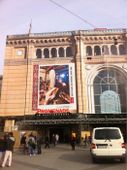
[{"x": 49, "y": 111}]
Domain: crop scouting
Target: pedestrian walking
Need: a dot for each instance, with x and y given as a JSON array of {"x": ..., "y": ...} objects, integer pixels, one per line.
[
  {"x": 2, "y": 148},
  {"x": 31, "y": 145},
  {"x": 54, "y": 140},
  {"x": 39, "y": 144},
  {"x": 24, "y": 144},
  {"x": 47, "y": 142},
  {"x": 90, "y": 139},
  {"x": 57, "y": 138},
  {"x": 9, "y": 144},
  {"x": 86, "y": 140},
  {"x": 73, "y": 142}
]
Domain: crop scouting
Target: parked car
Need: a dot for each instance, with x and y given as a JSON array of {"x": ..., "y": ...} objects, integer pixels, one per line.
[{"x": 107, "y": 142}]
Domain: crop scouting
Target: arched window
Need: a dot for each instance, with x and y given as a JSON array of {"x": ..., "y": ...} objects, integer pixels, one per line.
[
  {"x": 53, "y": 52},
  {"x": 61, "y": 52},
  {"x": 110, "y": 93},
  {"x": 88, "y": 51},
  {"x": 122, "y": 50},
  {"x": 113, "y": 50},
  {"x": 110, "y": 102},
  {"x": 105, "y": 50},
  {"x": 69, "y": 52},
  {"x": 46, "y": 53},
  {"x": 39, "y": 53},
  {"x": 97, "y": 50}
]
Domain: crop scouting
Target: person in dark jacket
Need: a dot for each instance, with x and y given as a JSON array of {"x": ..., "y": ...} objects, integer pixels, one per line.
[
  {"x": 39, "y": 144},
  {"x": 2, "y": 147},
  {"x": 9, "y": 144},
  {"x": 23, "y": 143},
  {"x": 73, "y": 142},
  {"x": 47, "y": 142},
  {"x": 31, "y": 145}
]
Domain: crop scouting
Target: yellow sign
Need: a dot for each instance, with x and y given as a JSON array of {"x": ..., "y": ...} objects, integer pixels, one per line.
[{"x": 84, "y": 133}]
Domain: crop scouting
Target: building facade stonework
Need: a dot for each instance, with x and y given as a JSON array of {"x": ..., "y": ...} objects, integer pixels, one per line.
[
  {"x": 92, "y": 52},
  {"x": 90, "y": 67}
]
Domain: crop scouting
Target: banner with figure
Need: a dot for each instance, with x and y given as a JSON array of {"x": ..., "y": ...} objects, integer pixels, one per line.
[{"x": 56, "y": 87}]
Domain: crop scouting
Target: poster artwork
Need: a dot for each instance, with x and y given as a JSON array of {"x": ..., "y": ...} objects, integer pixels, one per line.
[{"x": 56, "y": 87}]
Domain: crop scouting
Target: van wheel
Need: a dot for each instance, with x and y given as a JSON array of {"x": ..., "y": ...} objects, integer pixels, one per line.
[{"x": 123, "y": 160}]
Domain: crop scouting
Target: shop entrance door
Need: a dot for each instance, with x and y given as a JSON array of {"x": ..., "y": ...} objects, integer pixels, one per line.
[{"x": 62, "y": 132}]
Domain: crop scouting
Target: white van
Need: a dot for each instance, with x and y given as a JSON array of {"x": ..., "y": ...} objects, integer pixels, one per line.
[{"x": 108, "y": 142}]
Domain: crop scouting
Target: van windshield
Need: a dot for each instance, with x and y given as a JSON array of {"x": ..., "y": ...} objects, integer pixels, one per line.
[{"x": 107, "y": 134}]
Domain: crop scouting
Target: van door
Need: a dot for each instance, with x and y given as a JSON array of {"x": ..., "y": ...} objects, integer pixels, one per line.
[{"x": 110, "y": 140}]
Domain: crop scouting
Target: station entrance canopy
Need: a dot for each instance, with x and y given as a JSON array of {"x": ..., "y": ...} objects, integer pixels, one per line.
[{"x": 69, "y": 118}]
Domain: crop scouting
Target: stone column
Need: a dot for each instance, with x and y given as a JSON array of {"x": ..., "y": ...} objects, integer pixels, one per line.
[
  {"x": 80, "y": 75},
  {"x": 29, "y": 79}
]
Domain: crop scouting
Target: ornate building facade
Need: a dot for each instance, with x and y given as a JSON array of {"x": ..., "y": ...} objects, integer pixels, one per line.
[{"x": 78, "y": 72}]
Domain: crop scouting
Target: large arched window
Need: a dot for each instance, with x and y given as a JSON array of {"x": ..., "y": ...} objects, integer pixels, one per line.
[
  {"x": 39, "y": 53},
  {"x": 122, "y": 50},
  {"x": 110, "y": 93},
  {"x": 61, "y": 52},
  {"x": 53, "y": 52},
  {"x": 88, "y": 51},
  {"x": 97, "y": 50},
  {"x": 46, "y": 53}
]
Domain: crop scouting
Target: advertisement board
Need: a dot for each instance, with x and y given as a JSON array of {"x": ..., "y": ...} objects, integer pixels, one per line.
[{"x": 56, "y": 88}]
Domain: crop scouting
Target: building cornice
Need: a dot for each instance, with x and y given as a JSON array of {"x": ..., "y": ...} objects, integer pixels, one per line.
[
  {"x": 67, "y": 37},
  {"x": 69, "y": 33}
]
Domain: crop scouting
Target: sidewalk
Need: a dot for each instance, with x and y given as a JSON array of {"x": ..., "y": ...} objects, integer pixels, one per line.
[{"x": 60, "y": 157}]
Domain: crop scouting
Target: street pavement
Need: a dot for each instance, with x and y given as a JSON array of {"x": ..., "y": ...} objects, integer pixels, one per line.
[{"x": 61, "y": 157}]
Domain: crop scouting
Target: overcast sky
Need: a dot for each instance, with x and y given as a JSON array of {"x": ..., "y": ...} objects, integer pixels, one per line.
[{"x": 16, "y": 15}]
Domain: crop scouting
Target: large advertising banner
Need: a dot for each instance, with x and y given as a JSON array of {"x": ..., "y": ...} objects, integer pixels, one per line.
[{"x": 56, "y": 87}]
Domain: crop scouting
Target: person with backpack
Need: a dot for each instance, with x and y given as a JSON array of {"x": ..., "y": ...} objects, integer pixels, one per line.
[{"x": 31, "y": 145}]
